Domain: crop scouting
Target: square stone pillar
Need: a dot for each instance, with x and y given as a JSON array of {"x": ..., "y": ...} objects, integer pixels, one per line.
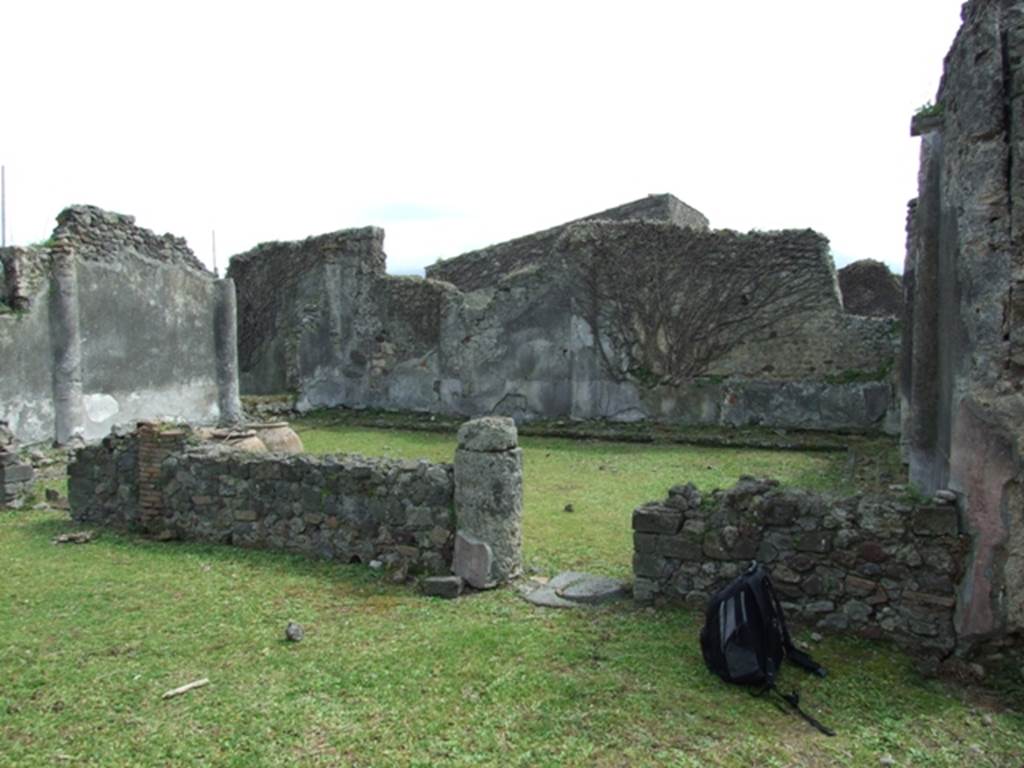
[{"x": 488, "y": 502}]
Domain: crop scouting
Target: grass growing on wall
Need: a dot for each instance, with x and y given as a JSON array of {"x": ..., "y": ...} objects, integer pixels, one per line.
[{"x": 92, "y": 635}]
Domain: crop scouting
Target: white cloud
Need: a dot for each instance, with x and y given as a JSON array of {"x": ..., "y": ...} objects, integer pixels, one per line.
[{"x": 278, "y": 121}]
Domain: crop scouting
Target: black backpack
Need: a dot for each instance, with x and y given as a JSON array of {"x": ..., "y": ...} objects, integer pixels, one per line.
[{"x": 745, "y": 638}]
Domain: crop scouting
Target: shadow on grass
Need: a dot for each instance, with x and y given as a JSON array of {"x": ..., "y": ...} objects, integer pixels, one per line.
[{"x": 267, "y": 560}]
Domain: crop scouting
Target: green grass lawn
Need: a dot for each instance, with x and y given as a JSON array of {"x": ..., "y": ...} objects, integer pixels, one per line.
[
  {"x": 603, "y": 481},
  {"x": 92, "y": 635}
]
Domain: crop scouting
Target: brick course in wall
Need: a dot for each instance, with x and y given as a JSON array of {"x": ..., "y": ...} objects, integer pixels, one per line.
[
  {"x": 876, "y": 565},
  {"x": 155, "y": 445}
]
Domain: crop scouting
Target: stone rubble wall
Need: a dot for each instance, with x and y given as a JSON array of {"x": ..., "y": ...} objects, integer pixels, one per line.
[
  {"x": 962, "y": 376},
  {"x": 99, "y": 235},
  {"x": 347, "y": 507},
  {"x": 870, "y": 289},
  {"x": 875, "y": 565},
  {"x": 103, "y": 482},
  {"x": 288, "y": 290},
  {"x": 484, "y": 268},
  {"x": 24, "y": 272},
  {"x": 109, "y": 323},
  {"x": 810, "y": 337}
]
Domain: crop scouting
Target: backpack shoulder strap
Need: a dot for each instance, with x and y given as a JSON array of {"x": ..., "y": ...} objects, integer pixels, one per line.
[
  {"x": 793, "y": 700},
  {"x": 794, "y": 654}
]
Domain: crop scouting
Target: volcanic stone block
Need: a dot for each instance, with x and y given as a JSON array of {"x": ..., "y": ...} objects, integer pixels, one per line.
[
  {"x": 491, "y": 434},
  {"x": 657, "y": 519},
  {"x": 15, "y": 473},
  {"x": 447, "y": 587},
  {"x": 936, "y": 521}
]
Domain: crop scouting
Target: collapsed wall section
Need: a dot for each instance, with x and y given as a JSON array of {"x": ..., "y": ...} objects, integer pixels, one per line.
[
  {"x": 109, "y": 323},
  {"x": 963, "y": 377}
]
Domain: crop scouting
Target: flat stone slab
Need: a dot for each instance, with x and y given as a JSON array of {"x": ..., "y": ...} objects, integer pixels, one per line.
[
  {"x": 593, "y": 590},
  {"x": 546, "y": 597},
  {"x": 572, "y": 589}
]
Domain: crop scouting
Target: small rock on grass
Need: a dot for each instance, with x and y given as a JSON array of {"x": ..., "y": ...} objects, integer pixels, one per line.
[
  {"x": 78, "y": 537},
  {"x": 447, "y": 587},
  {"x": 294, "y": 633}
]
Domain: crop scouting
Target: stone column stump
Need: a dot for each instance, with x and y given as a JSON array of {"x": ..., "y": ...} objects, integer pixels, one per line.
[{"x": 488, "y": 502}]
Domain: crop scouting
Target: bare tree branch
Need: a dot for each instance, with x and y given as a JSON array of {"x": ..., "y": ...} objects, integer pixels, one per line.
[{"x": 664, "y": 303}]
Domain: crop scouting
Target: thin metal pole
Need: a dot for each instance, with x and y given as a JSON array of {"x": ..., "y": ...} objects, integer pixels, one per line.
[
  {"x": 3, "y": 207},
  {"x": 213, "y": 235}
]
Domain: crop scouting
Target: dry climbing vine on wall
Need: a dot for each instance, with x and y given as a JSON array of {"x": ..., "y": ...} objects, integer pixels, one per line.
[{"x": 664, "y": 303}]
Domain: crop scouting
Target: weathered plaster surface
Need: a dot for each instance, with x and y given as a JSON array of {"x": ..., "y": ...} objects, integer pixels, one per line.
[
  {"x": 320, "y": 318},
  {"x": 111, "y": 324}
]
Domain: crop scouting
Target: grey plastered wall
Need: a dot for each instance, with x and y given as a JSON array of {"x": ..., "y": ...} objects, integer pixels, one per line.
[
  {"x": 112, "y": 324},
  {"x": 26, "y": 365},
  {"x": 148, "y": 349},
  {"x": 508, "y": 350}
]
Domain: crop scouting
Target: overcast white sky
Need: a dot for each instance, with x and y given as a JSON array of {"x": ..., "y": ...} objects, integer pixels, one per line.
[{"x": 458, "y": 124}]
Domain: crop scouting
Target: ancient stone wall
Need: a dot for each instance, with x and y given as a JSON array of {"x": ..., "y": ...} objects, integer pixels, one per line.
[
  {"x": 963, "y": 374},
  {"x": 108, "y": 323},
  {"x": 485, "y": 267},
  {"x": 774, "y": 346},
  {"x": 876, "y": 565},
  {"x": 321, "y": 318},
  {"x": 870, "y": 289},
  {"x": 161, "y": 480},
  {"x": 346, "y": 508},
  {"x": 283, "y": 288},
  {"x": 763, "y": 305}
]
